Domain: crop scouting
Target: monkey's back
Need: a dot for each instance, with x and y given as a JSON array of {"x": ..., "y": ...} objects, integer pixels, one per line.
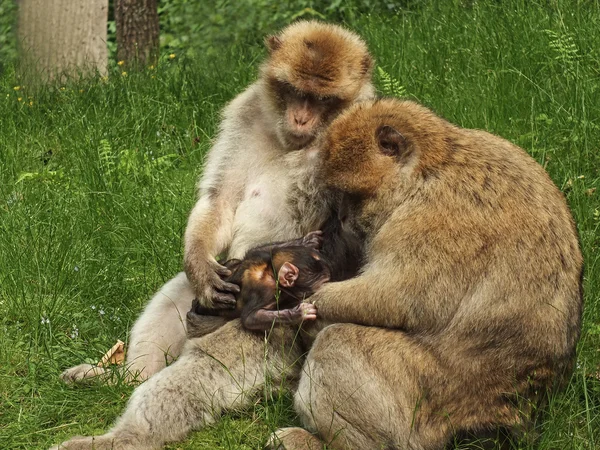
[
  {"x": 482, "y": 243},
  {"x": 490, "y": 234}
]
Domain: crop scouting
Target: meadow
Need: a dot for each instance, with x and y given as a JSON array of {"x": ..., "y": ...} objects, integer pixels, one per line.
[{"x": 97, "y": 178}]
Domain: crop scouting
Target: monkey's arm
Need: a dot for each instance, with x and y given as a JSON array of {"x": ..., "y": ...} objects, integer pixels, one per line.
[
  {"x": 209, "y": 232},
  {"x": 263, "y": 319},
  {"x": 314, "y": 239},
  {"x": 374, "y": 298},
  {"x": 199, "y": 325}
]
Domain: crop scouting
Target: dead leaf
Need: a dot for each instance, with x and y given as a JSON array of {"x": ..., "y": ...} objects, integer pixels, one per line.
[{"x": 116, "y": 355}]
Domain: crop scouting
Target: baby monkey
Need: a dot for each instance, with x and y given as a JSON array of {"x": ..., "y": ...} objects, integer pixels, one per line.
[{"x": 274, "y": 280}]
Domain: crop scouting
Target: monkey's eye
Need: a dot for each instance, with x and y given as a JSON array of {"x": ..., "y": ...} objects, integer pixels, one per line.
[
  {"x": 391, "y": 141},
  {"x": 329, "y": 100}
]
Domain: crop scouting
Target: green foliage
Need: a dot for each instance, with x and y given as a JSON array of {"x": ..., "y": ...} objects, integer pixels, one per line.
[
  {"x": 8, "y": 20},
  {"x": 389, "y": 86},
  {"x": 97, "y": 179},
  {"x": 207, "y": 27}
]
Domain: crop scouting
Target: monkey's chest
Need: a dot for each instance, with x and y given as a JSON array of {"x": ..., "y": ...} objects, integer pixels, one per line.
[{"x": 278, "y": 205}]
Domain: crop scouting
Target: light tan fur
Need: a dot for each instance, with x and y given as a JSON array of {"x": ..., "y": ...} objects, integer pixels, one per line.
[
  {"x": 258, "y": 186},
  {"x": 473, "y": 266}
]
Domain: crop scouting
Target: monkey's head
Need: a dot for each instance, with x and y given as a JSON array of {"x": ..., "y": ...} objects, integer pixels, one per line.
[
  {"x": 383, "y": 145},
  {"x": 314, "y": 70},
  {"x": 298, "y": 271}
]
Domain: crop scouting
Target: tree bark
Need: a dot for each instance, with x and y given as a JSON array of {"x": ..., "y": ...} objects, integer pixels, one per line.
[
  {"x": 137, "y": 31},
  {"x": 59, "y": 38}
]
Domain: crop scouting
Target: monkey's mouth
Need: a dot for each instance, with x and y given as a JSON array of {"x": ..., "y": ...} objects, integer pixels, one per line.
[{"x": 299, "y": 140}]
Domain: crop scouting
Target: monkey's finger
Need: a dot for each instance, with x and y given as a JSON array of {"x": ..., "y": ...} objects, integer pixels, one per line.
[
  {"x": 309, "y": 317},
  {"x": 222, "y": 271},
  {"x": 309, "y": 310},
  {"x": 223, "y": 301},
  {"x": 224, "y": 286},
  {"x": 314, "y": 239}
]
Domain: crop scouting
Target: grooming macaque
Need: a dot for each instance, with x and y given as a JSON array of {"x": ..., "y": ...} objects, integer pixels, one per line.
[
  {"x": 258, "y": 186},
  {"x": 258, "y": 182},
  {"x": 471, "y": 287}
]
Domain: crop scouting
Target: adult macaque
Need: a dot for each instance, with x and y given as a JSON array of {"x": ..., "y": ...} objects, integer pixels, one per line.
[
  {"x": 258, "y": 186},
  {"x": 258, "y": 183},
  {"x": 472, "y": 284}
]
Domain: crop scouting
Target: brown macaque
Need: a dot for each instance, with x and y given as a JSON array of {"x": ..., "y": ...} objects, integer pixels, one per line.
[
  {"x": 258, "y": 183},
  {"x": 467, "y": 312},
  {"x": 274, "y": 281}
]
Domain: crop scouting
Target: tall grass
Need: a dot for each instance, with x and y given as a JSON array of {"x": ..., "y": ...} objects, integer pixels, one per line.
[{"x": 97, "y": 178}]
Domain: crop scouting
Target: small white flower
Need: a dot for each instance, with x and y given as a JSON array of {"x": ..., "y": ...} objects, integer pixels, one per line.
[
  {"x": 45, "y": 320},
  {"x": 93, "y": 307},
  {"x": 76, "y": 268},
  {"x": 101, "y": 312}
]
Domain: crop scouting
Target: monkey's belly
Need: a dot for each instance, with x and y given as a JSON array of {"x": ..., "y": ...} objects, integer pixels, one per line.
[{"x": 262, "y": 216}]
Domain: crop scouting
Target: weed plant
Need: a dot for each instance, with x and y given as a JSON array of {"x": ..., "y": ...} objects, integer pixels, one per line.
[{"x": 97, "y": 178}]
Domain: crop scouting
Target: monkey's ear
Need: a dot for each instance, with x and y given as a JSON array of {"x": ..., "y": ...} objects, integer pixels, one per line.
[
  {"x": 288, "y": 274},
  {"x": 391, "y": 142},
  {"x": 273, "y": 43},
  {"x": 367, "y": 64}
]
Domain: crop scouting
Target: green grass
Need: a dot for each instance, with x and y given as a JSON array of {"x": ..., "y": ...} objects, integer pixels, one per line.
[{"x": 97, "y": 179}]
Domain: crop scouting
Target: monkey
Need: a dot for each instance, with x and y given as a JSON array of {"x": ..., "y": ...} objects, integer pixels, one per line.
[
  {"x": 258, "y": 185},
  {"x": 258, "y": 180},
  {"x": 293, "y": 269},
  {"x": 273, "y": 286},
  {"x": 467, "y": 311}
]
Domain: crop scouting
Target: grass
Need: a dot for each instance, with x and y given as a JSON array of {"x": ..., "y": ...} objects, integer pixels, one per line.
[{"x": 97, "y": 178}]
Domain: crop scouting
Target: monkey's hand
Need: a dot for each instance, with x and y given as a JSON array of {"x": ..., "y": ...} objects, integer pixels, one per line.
[
  {"x": 264, "y": 319},
  {"x": 314, "y": 239},
  {"x": 206, "y": 278},
  {"x": 308, "y": 311},
  {"x": 296, "y": 315}
]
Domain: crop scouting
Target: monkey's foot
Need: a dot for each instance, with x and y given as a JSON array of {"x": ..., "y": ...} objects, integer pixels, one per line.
[
  {"x": 108, "y": 441},
  {"x": 293, "y": 438},
  {"x": 81, "y": 372}
]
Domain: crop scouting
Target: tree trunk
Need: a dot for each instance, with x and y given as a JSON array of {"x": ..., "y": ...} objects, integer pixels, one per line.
[
  {"x": 137, "y": 31},
  {"x": 59, "y": 38}
]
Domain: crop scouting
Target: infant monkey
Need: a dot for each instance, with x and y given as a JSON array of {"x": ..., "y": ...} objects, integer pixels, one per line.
[{"x": 296, "y": 269}]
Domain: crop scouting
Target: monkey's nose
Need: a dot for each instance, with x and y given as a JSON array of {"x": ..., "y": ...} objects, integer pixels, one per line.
[{"x": 301, "y": 120}]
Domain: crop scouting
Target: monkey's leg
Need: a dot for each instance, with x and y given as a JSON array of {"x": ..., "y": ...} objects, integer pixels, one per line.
[
  {"x": 156, "y": 338},
  {"x": 221, "y": 371},
  {"x": 159, "y": 333},
  {"x": 361, "y": 387}
]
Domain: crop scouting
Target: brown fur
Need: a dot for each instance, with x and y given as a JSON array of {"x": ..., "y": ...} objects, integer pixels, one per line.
[
  {"x": 258, "y": 185},
  {"x": 473, "y": 262},
  {"x": 319, "y": 58},
  {"x": 314, "y": 70}
]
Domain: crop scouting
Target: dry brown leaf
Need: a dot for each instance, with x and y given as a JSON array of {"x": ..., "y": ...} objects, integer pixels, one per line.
[{"x": 116, "y": 355}]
